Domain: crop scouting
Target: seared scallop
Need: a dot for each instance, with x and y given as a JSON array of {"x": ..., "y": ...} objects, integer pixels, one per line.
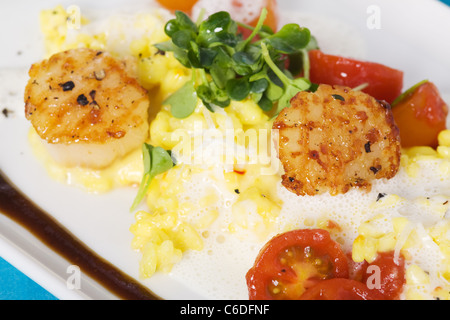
[
  {"x": 335, "y": 139},
  {"x": 87, "y": 107}
]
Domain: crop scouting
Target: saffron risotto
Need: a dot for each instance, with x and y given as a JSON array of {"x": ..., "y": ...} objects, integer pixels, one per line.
[{"x": 198, "y": 204}]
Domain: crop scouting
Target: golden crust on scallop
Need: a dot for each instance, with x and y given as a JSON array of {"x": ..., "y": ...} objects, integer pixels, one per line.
[
  {"x": 90, "y": 99},
  {"x": 83, "y": 94},
  {"x": 335, "y": 139}
]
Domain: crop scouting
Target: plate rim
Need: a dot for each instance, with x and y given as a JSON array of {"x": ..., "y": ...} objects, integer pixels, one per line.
[{"x": 27, "y": 264}]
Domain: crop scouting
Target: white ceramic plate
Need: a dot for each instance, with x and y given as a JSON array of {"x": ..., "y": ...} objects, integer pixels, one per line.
[{"x": 409, "y": 35}]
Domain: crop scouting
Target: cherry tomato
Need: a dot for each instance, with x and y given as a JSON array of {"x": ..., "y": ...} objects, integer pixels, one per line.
[
  {"x": 292, "y": 262},
  {"x": 341, "y": 289},
  {"x": 388, "y": 276},
  {"x": 182, "y": 5},
  {"x": 420, "y": 115},
  {"x": 384, "y": 83},
  {"x": 356, "y": 270}
]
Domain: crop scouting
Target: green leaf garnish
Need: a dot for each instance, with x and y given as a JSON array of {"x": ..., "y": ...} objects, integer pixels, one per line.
[
  {"x": 290, "y": 39},
  {"x": 291, "y": 86},
  {"x": 183, "y": 101},
  {"x": 181, "y": 22},
  {"x": 238, "y": 89},
  {"x": 233, "y": 68},
  {"x": 156, "y": 161},
  {"x": 218, "y": 29}
]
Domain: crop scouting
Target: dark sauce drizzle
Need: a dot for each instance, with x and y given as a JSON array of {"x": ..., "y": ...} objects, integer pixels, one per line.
[{"x": 17, "y": 207}]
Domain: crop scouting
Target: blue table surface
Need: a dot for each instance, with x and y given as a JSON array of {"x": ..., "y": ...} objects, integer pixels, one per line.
[{"x": 14, "y": 285}]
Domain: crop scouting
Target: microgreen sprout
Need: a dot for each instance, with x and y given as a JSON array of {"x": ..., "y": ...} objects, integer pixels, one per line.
[
  {"x": 156, "y": 161},
  {"x": 233, "y": 68},
  {"x": 408, "y": 92},
  {"x": 226, "y": 67}
]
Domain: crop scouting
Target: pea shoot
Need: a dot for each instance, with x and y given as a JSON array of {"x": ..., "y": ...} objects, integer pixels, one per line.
[
  {"x": 156, "y": 161},
  {"x": 226, "y": 67}
]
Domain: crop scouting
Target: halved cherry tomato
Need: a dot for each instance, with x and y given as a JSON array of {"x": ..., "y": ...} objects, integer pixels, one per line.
[
  {"x": 292, "y": 262},
  {"x": 356, "y": 270},
  {"x": 420, "y": 116},
  {"x": 341, "y": 289},
  {"x": 389, "y": 276},
  {"x": 384, "y": 83},
  {"x": 182, "y": 5}
]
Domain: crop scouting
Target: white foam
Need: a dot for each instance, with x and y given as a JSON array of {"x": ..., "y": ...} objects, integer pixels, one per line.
[
  {"x": 333, "y": 36},
  {"x": 246, "y": 11},
  {"x": 121, "y": 27},
  {"x": 218, "y": 271}
]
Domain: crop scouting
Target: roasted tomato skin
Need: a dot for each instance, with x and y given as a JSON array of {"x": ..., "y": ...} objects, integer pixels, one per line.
[
  {"x": 268, "y": 270},
  {"x": 356, "y": 270},
  {"x": 420, "y": 116},
  {"x": 341, "y": 289},
  {"x": 281, "y": 271},
  {"x": 392, "y": 274},
  {"x": 384, "y": 83}
]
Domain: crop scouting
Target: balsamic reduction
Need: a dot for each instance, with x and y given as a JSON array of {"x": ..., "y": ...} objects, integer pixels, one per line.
[{"x": 17, "y": 207}]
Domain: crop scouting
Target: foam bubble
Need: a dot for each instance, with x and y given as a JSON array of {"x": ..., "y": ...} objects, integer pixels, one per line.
[{"x": 242, "y": 11}]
